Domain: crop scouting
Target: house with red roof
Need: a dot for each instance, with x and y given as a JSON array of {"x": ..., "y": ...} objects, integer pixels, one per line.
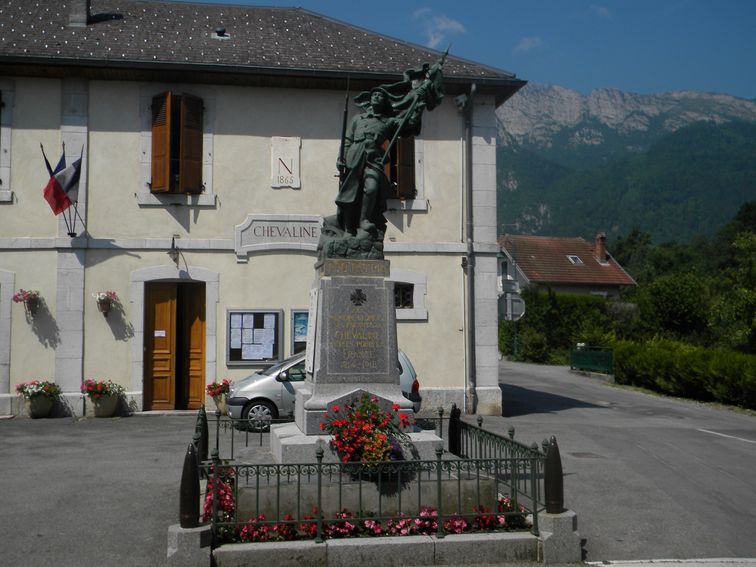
[{"x": 566, "y": 265}]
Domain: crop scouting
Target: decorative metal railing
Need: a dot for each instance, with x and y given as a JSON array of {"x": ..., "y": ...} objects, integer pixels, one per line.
[
  {"x": 388, "y": 496},
  {"x": 487, "y": 480},
  {"x": 595, "y": 359}
]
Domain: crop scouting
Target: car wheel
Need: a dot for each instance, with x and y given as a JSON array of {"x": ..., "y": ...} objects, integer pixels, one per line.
[{"x": 258, "y": 415}]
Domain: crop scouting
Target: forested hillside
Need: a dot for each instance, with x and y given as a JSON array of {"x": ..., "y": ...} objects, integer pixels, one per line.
[{"x": 674, "y": 165}]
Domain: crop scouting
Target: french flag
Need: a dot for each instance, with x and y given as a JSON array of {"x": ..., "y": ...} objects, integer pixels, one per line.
[{"x": 62, "y": 189}]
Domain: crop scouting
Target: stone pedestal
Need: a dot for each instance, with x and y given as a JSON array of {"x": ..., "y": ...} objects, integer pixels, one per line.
[
  {"x": 354, "y": 348},
  {"x": 351, "y": 350},
  {"x": 188, "y": 547},
  {"x": 560, "y": 540}
]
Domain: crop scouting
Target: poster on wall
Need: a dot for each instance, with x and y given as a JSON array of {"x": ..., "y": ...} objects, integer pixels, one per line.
[
  {"x": 299, "y": 320},
  {"x": 254, "y": 336}
]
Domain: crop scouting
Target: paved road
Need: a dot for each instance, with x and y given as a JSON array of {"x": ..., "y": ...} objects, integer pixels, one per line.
[
  {"x": 649, "y": 477},
  {"x": 90, "y": 492}
]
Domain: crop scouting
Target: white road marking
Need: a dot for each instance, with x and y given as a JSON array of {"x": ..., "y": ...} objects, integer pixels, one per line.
[{"x": 728, "y": 436}]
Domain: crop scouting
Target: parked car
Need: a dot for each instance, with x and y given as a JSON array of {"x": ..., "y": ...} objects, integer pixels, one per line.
[{"x": 270, "y": 393}]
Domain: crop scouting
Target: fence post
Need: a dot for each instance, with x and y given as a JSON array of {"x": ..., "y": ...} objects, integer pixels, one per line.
[
  {"x": 215, "y": 478},
  {"x": 217, "y": 432},
  {"x": 190, "y": 490},
  {"x": 553, "y": 485},
  {"x": 319, "y": 456},
  {"x": 441, "y": 422},
  {"x": 455, "y": 432},
  {"x": 480, "y": 438},
  {"x": 203, "y": 433},
  {"x": 440, "y": 518},
  {"x": 534, "y": 490}
]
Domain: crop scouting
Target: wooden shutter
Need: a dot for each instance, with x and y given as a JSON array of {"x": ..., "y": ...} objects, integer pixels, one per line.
[
  {"x": 190, "y": 166},
  {"x": 405, "y": 168},
  {"x": 161, "y": 142}
]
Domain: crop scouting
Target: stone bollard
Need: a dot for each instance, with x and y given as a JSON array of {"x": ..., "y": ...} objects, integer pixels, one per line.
[{"x": 559, "y": 538}]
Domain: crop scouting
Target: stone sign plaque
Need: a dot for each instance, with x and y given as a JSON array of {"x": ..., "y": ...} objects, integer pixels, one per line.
[
  {"x": 336, "y": 267},
  {"x": 284, "y": 162},
  {"x": 264, "y": 232}
]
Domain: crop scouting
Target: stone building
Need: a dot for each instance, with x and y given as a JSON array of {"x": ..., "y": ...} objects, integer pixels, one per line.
[{"x": 208, "y": 138}]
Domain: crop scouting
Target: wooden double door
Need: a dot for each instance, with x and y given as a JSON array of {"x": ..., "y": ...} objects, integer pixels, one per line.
[{"x": 174, "y": 346}]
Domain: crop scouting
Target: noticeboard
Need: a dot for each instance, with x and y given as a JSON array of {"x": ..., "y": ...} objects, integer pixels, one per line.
[{"x": 253, "y": 336}]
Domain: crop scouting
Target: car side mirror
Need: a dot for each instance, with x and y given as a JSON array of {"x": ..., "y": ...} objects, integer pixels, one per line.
[{"x": 283, "y": 376}]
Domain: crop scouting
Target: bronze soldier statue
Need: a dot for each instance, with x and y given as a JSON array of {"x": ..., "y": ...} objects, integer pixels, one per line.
[{"x": 389, "y": 112}]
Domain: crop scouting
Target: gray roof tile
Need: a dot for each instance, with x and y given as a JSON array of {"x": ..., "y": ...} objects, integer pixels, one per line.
[{"x": 143, "y": 33}]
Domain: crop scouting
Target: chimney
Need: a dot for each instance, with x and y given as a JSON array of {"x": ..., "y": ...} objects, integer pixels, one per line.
[
  {"x": 600, "y": 248},
  {"x": 80, "y": 14}
]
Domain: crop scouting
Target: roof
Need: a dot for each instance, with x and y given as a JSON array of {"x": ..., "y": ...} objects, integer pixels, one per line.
[
  {"x": 134, "y": 34},
  {"x": 544, "y": 259}
]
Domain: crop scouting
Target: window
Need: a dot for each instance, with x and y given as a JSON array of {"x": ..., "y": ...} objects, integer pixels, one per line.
[
  {"x": 575, "y": 260},
  {"x": 176, "y": 143},
  {"x": 297, "y": 372},
  {"x": 410, "y": 291},
  {"x": 254, "y": 336},
  {"x": 299, "y": 323},
  {"x": 404, "y": 295},
  {"x": 6, "y": 113},
  {"x": 400, "y": 169}
]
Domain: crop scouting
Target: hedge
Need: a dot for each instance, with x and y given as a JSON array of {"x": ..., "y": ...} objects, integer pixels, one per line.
[{"x": 688, "y": 371}]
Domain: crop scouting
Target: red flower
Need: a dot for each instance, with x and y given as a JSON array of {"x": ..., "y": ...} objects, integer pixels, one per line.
[{"x": 396, "y": 407}]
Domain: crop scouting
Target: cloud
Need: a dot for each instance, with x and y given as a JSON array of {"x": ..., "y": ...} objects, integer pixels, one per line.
[
  {"x": 601, "y": 11},
  {"x": 437, "y": 27},
  {"x": 528, "y": 44}
]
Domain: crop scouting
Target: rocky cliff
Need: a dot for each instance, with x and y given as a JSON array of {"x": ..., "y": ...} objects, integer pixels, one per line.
[{"x": 538, "y": 113}]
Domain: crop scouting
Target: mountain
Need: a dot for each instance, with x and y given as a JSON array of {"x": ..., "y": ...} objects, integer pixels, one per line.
[{"x": 674, "y": 164}]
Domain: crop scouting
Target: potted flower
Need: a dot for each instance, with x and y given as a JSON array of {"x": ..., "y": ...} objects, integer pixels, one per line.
[
  {"x": 105, "y": 300},
  {"x": 218, "y": 391},
  {"x": 104, "y": 395},
  {"x": 30, "y": 299},
  {"x": 362, "y": 431},
  {"x": 39, "y": 396}
]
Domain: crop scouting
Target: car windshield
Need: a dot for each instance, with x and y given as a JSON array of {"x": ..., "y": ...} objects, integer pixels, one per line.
[{"x": 276, "y": 368}]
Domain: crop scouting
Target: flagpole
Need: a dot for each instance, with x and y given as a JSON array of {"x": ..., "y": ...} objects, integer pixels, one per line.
[{"x": 72, "y": 215}]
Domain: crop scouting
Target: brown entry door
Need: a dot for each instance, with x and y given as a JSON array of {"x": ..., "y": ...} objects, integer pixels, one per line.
[{"x": 174, "y": 346}]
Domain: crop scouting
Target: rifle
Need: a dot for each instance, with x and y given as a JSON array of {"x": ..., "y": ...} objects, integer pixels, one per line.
[{"x": 342, "y": 149}]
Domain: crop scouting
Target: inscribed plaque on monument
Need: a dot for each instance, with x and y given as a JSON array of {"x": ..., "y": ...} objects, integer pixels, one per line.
[{"x": 356, "y": 330}]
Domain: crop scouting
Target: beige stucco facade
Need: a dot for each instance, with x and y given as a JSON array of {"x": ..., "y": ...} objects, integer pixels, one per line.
[{"x": 126, "y": 238}]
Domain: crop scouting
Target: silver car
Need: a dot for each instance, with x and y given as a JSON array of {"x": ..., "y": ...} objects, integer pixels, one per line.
[{"x": 270, "y": 393}]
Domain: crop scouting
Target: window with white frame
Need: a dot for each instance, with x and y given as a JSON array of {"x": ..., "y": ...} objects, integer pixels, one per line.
[
  {"x": 410, "y": 290},
  {"x": 177, "y": 146},
  {"x": 7, "y": 94}
]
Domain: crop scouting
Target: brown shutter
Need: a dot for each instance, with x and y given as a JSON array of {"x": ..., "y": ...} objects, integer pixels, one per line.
[
  {"x": 190, "y": 167},
  {"x": 406, "y": 168},
  {"x": 161, "y": 142}
]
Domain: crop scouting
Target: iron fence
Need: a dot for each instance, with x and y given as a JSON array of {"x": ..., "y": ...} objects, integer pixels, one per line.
[
  {"x": 485, "y": 479},
  {"x": 324, "y": 499},
  {"x": 594, "y": 359}
]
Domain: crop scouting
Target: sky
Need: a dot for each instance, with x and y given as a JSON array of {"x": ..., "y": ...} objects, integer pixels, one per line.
[{"x": 640, "y": 46}]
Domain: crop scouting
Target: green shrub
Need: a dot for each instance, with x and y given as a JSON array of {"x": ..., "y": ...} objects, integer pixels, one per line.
[
  {"x": 533, "y": 346},
  {"x": 680, "y": 369}
]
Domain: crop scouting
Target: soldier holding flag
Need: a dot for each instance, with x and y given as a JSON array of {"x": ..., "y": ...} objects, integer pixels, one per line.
[{"x": 389, "y": 112}]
